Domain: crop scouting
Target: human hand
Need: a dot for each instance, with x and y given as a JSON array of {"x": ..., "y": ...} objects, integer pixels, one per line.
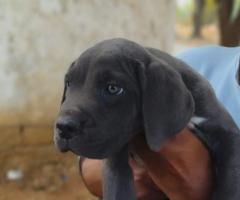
[{"x": 181, "y": 170}]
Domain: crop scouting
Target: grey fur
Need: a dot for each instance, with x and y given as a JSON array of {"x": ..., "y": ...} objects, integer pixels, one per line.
[{"x": 161, "y": 95}]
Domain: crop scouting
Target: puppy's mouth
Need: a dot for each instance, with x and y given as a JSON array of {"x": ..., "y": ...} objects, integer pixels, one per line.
[
  {"x": 63, "y": 140},
  {"x": 63, "y": 145},
  {"x": 84, "y": 145}
]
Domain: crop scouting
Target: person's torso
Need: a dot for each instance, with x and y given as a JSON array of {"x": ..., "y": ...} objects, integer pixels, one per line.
[{"x": 219, "y": 66}]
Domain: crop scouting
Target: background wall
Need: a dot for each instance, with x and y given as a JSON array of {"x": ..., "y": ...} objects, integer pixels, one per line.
[{"x": 39, "y": 39}]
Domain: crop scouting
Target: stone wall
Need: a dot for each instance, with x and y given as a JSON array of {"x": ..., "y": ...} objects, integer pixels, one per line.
[{"x": 40, "y": 38}]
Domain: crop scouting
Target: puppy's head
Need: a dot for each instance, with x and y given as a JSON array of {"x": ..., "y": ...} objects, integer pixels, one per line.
[{"x": 115, "y": 90}]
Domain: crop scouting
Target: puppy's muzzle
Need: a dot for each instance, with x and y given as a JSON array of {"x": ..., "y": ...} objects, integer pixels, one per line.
[{"x": 67, "y": 127}]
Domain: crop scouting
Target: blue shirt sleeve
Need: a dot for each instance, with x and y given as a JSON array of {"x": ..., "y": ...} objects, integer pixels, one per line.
[{"x": 219, "y": 65}]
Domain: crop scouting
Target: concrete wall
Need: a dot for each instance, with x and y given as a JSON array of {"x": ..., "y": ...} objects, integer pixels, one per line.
[{"x": 40, "y": 38}]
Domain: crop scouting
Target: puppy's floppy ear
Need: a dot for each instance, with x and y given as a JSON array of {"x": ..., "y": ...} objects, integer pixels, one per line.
[{"x": 167, "y": 105}]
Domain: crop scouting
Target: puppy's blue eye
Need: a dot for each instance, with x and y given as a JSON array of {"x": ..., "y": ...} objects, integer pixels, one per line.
[{"x": 114, "y": 89}]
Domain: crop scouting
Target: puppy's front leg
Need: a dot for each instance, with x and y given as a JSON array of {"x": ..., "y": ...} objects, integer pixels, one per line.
[{"x": 117, "y": 177}]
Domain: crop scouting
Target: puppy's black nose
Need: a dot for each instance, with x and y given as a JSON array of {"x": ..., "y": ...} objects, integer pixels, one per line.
[{"x": 67, "y": 128}]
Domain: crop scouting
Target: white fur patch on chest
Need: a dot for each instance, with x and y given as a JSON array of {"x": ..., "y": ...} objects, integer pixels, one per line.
[{"x": 195, "y": 120}]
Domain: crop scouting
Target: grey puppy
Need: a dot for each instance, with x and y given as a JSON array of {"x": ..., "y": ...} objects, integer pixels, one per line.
[{"x": 118, "y": 89}]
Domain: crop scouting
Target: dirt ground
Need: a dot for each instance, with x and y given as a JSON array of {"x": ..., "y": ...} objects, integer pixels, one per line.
[
  {"x": 50, "y": 175},
  {"x": 47, "y": 174}
]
